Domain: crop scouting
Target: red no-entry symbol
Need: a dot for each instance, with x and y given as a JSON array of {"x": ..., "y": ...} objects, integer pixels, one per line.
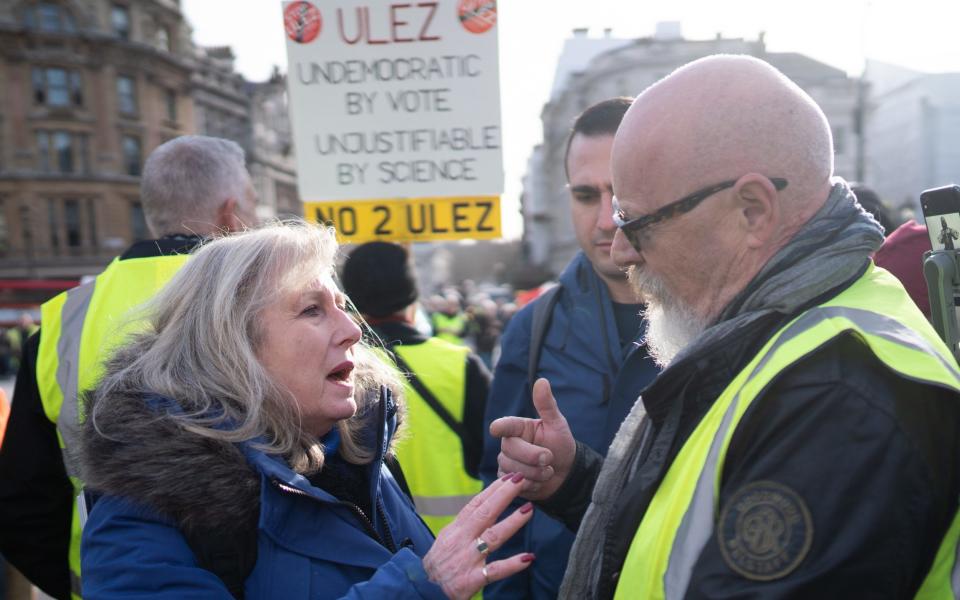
[{"x": 302, "y": 21}]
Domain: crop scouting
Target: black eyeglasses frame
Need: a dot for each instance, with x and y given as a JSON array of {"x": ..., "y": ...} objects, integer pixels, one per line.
[{"x": 632, "y": 228}]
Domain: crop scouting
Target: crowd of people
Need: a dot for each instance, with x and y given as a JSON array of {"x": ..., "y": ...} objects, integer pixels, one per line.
[{"x": 724, "y": 395}]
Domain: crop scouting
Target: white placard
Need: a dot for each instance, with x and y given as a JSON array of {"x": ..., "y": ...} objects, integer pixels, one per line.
[{"x": 394, "y": 100}]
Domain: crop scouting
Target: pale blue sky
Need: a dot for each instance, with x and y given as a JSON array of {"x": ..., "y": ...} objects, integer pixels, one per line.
[{"x": 920, "y": 34}]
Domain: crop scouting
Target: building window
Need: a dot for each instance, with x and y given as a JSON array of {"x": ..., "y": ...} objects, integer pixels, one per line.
[
  {"x": 62, "y": 152},
  {"x": 54, "y": 225},
  {"x": 126, "y": 95},
  {"x": 91, "y": 222},
  {"x": 138, "y": 223},
  {"x": 26, "y": 228},
  {"x": 163, "y": 38},
  {"x": 71, "y": 219},
  {"x": 171, "y": 105},
  {"x": 57, "y": 87},
  {"x": 49, "y": 18},
  {"x": 43, "y": 151},
  {"x": 131, "y": 155},
  {"x": 120, "y": 20}
]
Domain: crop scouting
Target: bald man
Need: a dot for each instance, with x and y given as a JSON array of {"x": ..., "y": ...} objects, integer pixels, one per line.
[{"x": 803, "y": 439}]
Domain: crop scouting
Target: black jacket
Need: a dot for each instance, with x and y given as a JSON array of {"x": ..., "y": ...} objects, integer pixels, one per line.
[
  {"x": 873, "y": 456},
  {"x": 36, "y": 496}
]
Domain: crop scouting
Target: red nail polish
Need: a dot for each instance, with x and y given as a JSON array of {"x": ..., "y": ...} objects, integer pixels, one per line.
[
  {"x": 526, "y": 508},
  {"x": 506, "y": 477},
  {"x": 528, "y": 557},
  {"x": 517, "y": 477}
]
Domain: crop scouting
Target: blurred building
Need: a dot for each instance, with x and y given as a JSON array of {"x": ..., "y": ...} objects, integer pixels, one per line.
[
  {"x": 270, "y": 155},
  {"x": 89, "y": 89},
  {"x": 625, "y": 68},
  {"x": 912, "y": 132}
]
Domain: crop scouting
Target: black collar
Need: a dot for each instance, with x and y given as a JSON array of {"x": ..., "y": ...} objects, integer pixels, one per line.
[
  {"x": 398, "y": 332},
  {"x": 168, "y": 245}
]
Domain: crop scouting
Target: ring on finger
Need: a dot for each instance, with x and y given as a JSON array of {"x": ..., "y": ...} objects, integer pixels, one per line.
[
  {"x": 486, "y": 576},
  {"x": 482, "y": 547}
]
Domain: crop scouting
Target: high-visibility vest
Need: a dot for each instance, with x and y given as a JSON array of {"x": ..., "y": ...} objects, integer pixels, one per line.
[
  {"x": 683, "y": 512},
  {"x": 80, "y": 328},
  {"x": 449, "y": 328},
  {"x": 431, "y": 453}
]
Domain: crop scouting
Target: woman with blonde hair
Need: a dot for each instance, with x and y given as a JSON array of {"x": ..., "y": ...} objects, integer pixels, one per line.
[{"x": 245, "y": 430}]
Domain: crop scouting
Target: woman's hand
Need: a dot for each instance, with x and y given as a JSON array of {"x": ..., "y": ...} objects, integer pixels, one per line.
[{"x": 456, "y": 560}]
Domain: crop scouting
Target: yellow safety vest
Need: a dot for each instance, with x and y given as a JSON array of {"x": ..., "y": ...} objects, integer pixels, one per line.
[
  {"x": 449, "y": 328},
  {"x": 431, "y": 454},
  {"x": 80, "y": 327},
  {"x": 683, "y": 513}
]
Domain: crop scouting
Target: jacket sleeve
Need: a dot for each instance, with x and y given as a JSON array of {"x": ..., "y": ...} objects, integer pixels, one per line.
[
  {"x": 131, "y": 552},
  {"x": 402, "y": 577},
  {"x": 569, "y": 503},
  {"x": 508, "y": 396},
  {"x": 863, "y": 466},
  {"x": 36, "y": 497},
  {"x": 475, "y": 403}
]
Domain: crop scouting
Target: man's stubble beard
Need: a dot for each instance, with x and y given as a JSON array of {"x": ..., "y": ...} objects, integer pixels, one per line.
[{"x": 671, "y": 323}]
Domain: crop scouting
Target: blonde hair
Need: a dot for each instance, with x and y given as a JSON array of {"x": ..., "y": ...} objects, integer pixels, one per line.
[{"x": 203, "y": 331}]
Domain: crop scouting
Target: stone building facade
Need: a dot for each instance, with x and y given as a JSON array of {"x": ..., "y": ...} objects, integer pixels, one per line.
[{"x": 89, "y": 88}]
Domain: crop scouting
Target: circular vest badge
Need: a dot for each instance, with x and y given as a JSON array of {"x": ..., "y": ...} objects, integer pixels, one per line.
[
  {"x": 477, "y": 16},
  {"x": 302, "y": 22},
  {"x": 765, "y": 531}
]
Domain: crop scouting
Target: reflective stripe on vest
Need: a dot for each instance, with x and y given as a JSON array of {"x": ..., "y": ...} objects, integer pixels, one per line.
[
  {"x": 430, "y": 453},
  {"x": 681, "y": 517},
  {"x": 68, "y": 370},
  {"x": 79, "y": 329}
]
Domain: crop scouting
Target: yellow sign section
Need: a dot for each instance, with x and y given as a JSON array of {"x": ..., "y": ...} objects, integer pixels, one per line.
[{"x": 410, "y": 219}]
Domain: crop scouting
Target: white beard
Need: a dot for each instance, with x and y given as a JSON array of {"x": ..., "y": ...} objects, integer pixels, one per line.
[{"x": 671, "y": 324}]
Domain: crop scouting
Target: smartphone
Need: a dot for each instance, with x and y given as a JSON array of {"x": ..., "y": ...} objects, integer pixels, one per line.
[{"x": 941, "y": 211}]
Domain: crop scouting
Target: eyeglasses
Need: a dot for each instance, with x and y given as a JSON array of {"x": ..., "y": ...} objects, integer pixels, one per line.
[{"x": 633, "y": 228}]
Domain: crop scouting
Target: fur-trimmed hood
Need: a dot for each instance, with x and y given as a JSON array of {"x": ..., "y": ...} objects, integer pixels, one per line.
[{"x": 137, "y": 450}]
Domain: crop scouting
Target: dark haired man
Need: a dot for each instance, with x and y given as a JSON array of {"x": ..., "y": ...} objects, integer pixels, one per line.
[{"x": 589, "y": 349}]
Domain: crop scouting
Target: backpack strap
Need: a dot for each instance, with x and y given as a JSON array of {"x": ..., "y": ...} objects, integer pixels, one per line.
[
  {"x": 542, "y": 315},
  {"x": 428, "y": 397}
]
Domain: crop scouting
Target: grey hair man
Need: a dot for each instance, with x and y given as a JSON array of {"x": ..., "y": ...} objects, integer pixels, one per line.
[
  {"x": 198, "y": 185},
  {"x": 193, "y": 187},
  {"x": 802, "y": 440}
]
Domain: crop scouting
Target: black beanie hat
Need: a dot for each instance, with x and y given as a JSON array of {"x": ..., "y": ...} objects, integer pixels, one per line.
[{"x": 379, "y": 279}]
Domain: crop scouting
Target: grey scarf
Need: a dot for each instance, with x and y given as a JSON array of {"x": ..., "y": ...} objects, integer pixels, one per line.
[{"x": 832, "y": 248}]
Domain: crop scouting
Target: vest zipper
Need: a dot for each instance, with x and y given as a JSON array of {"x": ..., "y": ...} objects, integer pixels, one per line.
[{"x": 364, "y": 519}]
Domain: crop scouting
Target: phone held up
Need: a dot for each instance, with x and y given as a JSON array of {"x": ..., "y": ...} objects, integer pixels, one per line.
[{"x": 941, "y": 211}]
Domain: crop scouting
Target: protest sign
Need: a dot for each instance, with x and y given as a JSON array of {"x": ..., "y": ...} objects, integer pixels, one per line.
[{"x": 396, "y": 116}]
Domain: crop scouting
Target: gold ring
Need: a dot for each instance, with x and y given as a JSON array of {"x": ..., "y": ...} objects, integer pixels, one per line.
[
  {"x": 482, "y": 547},
  {"x": 486, "y": 576}
]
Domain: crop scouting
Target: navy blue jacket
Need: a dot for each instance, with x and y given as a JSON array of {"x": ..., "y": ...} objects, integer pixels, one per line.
[
  {"x": 595, "y": 383},
  {"x": 310, "y": 544}
]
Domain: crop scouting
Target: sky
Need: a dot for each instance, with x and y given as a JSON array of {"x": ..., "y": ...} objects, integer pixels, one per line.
[{"x": 918, "y": 34}]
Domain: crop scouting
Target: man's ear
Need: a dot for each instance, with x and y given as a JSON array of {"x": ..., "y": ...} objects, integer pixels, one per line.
[
  {"x": 759, "y": 208},
  {"x": 227, "y": 219}
]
